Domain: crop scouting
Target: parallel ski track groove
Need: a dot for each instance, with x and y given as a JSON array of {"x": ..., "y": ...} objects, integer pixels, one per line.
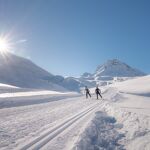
[{"x": 48, "y": 136}]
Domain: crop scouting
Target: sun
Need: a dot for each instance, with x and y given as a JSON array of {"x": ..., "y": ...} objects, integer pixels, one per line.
[{"x": 4, "y": 45}]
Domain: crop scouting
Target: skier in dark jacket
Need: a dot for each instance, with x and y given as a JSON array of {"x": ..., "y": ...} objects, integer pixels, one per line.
[
  {"x": 98, "y": 92},
  {"x": 87, "y": 91}
]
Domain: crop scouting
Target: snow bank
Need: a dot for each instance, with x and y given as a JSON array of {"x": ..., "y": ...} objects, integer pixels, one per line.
[
  {"x": 139, "y": 86},
  {"x": 31, "y": 93},
  {"x": 101, "y": 134},
  {"x": 7, "y": 85},
  {"x": 129, "y": 103},
  {"x": 135, "y": 126}
]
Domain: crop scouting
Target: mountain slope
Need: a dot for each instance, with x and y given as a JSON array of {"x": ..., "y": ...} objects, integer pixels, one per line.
[{"x": 23, "y": 73}]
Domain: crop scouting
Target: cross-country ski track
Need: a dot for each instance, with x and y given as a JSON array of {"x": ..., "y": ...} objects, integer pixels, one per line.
[
  {"x": 41, "y": 126},
  {"x": 47, "y": 137}
]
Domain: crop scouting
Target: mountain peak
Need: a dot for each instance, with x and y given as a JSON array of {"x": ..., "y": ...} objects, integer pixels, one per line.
[
  {"x": 114, "y": 61},
  {"x": 116, "y": 68}
]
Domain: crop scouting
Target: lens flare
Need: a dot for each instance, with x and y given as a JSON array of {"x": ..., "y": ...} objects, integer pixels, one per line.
[{"x": 4, "y": 45}]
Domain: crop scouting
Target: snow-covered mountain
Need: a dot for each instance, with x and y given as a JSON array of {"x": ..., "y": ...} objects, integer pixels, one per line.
[
  {"x": 69, "y": 83},
  {"x": 116, "y": 68},
  {"x": 21, "y": 72},
  {"x": 109, "y": 71}
]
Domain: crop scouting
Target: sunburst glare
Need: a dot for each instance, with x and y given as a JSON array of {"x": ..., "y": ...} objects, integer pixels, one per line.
[{"x": 4, "y": 45}]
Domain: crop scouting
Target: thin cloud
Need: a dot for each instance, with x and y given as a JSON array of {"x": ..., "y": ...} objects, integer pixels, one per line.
[{"x": 22, "y": 41}]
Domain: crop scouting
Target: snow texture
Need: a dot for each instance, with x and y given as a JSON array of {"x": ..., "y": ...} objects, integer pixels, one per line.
[{"x": 101, "y": 134}]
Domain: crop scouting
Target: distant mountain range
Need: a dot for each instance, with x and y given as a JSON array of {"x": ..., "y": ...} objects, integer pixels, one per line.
[{"x": 21, "y": 72}]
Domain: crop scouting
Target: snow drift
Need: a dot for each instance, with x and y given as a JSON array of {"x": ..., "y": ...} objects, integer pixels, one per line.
[{"x": 129, "y": 103}]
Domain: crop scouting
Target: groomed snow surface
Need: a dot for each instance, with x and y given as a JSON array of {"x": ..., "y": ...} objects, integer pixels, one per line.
[{"x": 50, "y": 120}]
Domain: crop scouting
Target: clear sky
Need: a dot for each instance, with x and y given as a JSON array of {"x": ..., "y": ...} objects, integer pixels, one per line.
[{"x": 70, "y": 37}]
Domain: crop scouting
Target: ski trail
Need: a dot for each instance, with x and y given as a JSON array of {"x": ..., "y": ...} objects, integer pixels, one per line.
[
  {"x": 69, "y": 137},
  {"x": 49, "y": 135}
]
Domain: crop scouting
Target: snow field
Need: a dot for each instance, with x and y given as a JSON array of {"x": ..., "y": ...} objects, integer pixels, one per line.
[
  {"x": 121, "y": 120},
  {"x": 8, "y": 100},
  {"x": 20, "y": 124},
  {"x": 31, "y": 93}
]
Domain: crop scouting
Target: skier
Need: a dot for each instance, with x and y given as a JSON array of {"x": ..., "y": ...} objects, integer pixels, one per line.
[
  {"x": 98, "y": 92},
  {"x": 87, "y": 91}
]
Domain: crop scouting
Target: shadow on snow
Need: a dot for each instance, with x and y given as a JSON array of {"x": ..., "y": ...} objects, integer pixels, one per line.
[{"x": 101, "y": 134}]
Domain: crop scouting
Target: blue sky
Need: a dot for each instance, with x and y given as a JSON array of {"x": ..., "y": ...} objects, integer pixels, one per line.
[{"x": 70, "y": 37}]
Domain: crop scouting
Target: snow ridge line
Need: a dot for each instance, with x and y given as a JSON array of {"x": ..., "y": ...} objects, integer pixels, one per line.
[{"x": 48, "y": 136}]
